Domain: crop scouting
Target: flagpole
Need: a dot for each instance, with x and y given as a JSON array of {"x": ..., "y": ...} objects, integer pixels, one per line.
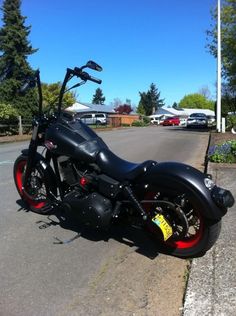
[{"x": 218, "y": 108}]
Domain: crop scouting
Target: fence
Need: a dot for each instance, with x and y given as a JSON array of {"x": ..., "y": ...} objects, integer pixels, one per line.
[
  {"x": 19, "y": 126},
  {"x": 119, "y": 120}
]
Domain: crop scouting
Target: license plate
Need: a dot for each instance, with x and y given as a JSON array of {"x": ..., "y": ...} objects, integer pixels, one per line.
[{"x": 164, "y": 226}]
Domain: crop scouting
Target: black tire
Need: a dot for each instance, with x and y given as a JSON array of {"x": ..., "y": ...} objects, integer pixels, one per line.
[
  {"x": 202, "y": 233},
  {"x": 36, "y": 198}
]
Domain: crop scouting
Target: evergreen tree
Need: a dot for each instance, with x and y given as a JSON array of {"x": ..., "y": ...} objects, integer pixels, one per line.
[
  {"x": 175, "y": 105},
  {"x": 14, "y": 67},
  {"x": 140, "y": 108},
  {"x": 150, "y": 101},
  {"x": 98, "y": 97}
]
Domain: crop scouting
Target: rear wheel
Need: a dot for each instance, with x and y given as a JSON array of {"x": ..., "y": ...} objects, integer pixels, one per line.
[
  {"x": 39, "y": 184},
  {"x": 178, "y": 222}
]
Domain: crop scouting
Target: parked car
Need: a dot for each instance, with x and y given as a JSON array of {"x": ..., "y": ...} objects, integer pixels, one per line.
[
  {"x": 183, "y": 121},
  {"x": 94, "y": 119},
  {"x": 170, "y": 121},
  {"x": 211, "y": 120},
  {"x": 156, "y": 120},
  {"x": 197, "y": 120}
]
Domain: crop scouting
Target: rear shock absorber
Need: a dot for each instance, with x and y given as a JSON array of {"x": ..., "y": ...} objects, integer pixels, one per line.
[{"x": 130, "y": 195}]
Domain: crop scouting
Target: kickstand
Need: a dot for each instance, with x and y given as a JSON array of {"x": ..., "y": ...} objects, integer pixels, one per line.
[{"x": 61, "y": 242}]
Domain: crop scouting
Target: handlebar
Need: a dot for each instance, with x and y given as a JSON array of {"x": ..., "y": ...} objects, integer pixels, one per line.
[
  {"x": 84, "y": 75},
  {"x": 34, "y": 79}
]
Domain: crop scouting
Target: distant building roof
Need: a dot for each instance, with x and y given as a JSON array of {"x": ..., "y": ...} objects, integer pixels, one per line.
[
  {"x": 89, "y": 107},
  {"x": 182, "y": 112}
]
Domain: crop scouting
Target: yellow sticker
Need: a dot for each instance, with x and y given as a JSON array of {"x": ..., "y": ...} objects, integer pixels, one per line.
[{"x": 164, "y": 226}]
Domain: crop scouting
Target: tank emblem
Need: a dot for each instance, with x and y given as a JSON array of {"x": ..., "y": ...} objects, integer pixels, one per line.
[{"x": 49, "y": 145}]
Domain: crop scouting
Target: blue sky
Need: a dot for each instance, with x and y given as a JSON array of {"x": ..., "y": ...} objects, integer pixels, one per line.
[{"x": 136, "y": 42}]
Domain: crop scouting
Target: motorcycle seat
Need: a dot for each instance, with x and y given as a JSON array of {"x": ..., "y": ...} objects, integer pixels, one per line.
[{"x": 120, "y": 169}]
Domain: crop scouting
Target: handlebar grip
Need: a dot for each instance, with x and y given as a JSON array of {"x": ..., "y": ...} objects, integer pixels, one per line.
[
  {"x": 84, "y": 75},
  {"x": 96, "y": 80}
]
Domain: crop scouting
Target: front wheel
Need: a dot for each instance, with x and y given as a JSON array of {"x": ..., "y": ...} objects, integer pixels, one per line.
[
  {"x": 176, "y": 220},
  {"x": 39, "y": 185}
]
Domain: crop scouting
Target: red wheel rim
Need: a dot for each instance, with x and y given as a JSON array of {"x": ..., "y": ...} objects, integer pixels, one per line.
[
  {"x": 19, "y": 183},
  {"x": 192, "y": 241},
  {"x": 187, "y": 242}
]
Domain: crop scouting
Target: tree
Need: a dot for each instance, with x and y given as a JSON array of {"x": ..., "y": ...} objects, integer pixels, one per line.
[
  {"x": 196, "y": 101},
  {"x": 7, "y": 112},
  {"x": 51, "y": 92},
  {"x": 204, "y": 90},
  {"x": 98, "y": 97},
  {"x": 228, "y": 101},
  {"x": 124, "y": 109},
  {"x": 150, "y": 101},
  {"x": 15, "y": 48},
  {"x": 175, "y": 105},
  {"x": 140, "y": 109},
  {"x": 228, "y": 43}
]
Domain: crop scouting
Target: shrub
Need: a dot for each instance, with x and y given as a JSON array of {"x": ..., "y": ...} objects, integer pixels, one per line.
[
  {"x": 146, "y": 120},
  {"x": 138, "y": 123},
  {"x": 231, "y": 121},
  {"x": 8, "y": 113},
  {"x": 225, "y": 152}
]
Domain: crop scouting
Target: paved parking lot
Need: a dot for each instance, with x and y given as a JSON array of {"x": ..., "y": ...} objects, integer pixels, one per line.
[{"x": 117, "y": 274}]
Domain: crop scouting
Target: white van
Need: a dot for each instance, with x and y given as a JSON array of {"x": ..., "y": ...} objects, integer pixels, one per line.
[
  {"x": 94, "y": 119},
  {"x": 156, "y": 120}
]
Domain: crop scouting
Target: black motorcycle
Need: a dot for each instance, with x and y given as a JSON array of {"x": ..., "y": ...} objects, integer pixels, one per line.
[{"x": 78, "y": 174}]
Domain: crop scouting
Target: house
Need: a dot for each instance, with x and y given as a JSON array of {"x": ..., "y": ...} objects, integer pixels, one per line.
[
  {"x": 83, "y": 108},
  {"x": 114, "y": 118},
  {"x": 163, "y": 112}
]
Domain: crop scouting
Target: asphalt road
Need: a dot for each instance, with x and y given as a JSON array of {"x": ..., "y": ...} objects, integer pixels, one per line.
[{"x": 119, "y": 273}]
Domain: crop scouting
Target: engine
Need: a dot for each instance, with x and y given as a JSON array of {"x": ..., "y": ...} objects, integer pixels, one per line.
[
  {"x": 88, "y": 207},
  {"x": 67, "y": 170}
]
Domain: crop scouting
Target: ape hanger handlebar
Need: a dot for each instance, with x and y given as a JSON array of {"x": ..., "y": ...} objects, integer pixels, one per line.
[{"x": 34, "y": 80}]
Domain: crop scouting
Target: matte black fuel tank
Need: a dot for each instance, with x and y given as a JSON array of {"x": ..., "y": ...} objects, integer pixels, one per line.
[{"x": 74, "y": 139}]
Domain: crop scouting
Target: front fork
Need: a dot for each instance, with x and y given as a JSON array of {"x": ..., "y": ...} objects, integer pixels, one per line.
[{"x": 31, "y": 154}]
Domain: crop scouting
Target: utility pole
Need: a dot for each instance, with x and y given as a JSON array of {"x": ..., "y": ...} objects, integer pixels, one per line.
[{"x": 218, "y": 108}]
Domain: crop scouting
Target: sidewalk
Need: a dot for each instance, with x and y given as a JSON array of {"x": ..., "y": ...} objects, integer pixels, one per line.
[
  {"x": 211, "y": 287},
  {"x": 14, "y": 138}
]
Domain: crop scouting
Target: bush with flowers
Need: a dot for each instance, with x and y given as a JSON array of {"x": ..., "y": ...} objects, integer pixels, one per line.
[{"x": 225, "y": 152}]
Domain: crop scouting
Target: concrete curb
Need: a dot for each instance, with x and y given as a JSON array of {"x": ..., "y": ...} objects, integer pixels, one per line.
[{"x": 211, "y": 288}]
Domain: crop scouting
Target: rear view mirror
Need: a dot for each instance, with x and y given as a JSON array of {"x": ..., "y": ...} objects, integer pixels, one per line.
[{"x": 92, "y": 65}]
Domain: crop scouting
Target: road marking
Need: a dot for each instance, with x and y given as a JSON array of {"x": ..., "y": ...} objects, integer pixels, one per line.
[{"x": 6, "y": 162}]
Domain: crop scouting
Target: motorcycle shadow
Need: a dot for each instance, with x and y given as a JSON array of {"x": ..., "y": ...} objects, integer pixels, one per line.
[
  {"x": 122, "y": 231},
  {"x": 130, "y": 235}
]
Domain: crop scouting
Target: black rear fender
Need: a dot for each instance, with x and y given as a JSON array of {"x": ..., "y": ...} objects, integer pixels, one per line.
[{"x": 187, "y": 179}]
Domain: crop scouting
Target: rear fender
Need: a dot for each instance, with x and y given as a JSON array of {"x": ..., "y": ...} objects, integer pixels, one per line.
[{"x": 187, "y": 178}]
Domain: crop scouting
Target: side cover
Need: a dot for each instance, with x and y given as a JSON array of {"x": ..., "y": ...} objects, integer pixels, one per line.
[{"x": 176, "y": 174}]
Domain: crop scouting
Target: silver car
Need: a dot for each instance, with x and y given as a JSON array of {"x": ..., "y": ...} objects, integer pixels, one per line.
[
  {"x": 197, "y": 120},
  {"x": 94, "y": 119}
]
